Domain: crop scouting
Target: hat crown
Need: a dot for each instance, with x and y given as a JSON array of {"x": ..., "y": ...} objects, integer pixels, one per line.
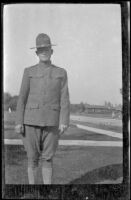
[{"x": 42, "y": 40}]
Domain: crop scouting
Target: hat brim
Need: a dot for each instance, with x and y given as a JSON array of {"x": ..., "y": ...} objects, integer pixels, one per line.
[{"x": 43, "y": 46}]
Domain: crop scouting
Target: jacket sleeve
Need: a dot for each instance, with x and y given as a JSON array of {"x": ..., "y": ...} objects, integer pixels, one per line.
[
  {"x": 65, "y": 102},
  {"x": 24, "y": 90}
]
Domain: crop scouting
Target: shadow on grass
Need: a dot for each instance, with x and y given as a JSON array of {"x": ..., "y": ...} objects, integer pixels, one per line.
[{"x": 109, "y": 172}]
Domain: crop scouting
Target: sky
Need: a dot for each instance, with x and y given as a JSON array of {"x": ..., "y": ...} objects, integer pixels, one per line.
[{"x": 88, "y": 46}]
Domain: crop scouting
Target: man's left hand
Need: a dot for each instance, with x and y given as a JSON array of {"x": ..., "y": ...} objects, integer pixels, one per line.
[{"x": 62, "y": 128}]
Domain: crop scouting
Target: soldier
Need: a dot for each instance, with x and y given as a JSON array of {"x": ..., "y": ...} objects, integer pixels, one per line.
[{"x": 42, "y": 110}]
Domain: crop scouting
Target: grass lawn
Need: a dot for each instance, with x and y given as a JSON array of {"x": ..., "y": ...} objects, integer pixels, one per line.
[{"x": 72, "y": 165}]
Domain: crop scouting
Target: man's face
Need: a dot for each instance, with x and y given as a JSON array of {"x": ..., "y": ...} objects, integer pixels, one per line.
[{"x": 44, "y": 53}]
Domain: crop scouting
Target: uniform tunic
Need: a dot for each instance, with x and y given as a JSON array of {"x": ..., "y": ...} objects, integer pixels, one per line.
[
  {"x": 43, "y": 104},
  {"x": 44, "y": 96}
]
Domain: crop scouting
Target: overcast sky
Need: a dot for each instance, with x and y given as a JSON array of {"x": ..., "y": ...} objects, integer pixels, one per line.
[{"x": 88, "y": 38}]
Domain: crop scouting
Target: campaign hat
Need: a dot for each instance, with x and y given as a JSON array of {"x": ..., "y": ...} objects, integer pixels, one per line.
[{"x": 43, "y": 40}]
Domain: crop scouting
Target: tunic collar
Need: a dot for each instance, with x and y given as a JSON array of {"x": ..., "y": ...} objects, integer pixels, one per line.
[
  {"x": 44, "y": 64},
  {"x": 44, "y": 68}
]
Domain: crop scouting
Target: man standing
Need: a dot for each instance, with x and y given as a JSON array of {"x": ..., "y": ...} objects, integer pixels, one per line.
[{"x": 43, "y": 110}]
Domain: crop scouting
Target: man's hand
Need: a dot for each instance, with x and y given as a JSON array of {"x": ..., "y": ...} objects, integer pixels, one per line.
[
  {"x": 62, "y": 128},
  {"x": 19, "y": 128}
]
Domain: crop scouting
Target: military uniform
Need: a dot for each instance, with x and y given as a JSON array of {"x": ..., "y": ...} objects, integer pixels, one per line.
[
  {"x": 43, "y": 109},
  {"x": 43, "y": 104},
  {"x": 44, "y": 96}
]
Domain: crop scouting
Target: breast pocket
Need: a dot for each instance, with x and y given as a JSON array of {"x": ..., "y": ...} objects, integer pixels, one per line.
[
  {"x": 55, "y": 107},
  {"x": 56, "y": 81},
  {"x": 32, "y": 106},
  {"x": 36, "y": 83}
]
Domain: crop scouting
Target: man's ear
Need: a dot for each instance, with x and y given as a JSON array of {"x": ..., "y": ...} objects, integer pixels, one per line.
[{"x": 52, "y": 51}]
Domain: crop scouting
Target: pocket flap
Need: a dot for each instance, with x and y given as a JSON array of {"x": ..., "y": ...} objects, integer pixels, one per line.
[
  {"x": 57, "y": 75},
  {"x": 36, "y": 75},
  {"x": 55, "y": 107},
  {"x": 33, "y": 105}
]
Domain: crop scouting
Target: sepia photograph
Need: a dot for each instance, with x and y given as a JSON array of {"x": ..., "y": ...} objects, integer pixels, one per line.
[{"x": 63, "y": 95}]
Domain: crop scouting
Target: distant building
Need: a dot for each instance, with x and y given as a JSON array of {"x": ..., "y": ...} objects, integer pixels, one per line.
[{"x": 97, "y": 109}]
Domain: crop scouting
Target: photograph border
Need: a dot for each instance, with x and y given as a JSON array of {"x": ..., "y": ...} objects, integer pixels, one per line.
[{"x": 85, "y": 191}]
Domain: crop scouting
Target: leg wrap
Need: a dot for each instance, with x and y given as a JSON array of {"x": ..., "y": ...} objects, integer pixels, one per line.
[
  {"x": 33, "y": 162},
  {"x": 47, "y": 163}
]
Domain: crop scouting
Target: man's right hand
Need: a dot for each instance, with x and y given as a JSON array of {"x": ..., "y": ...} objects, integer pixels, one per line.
[{"x": 19, "y": 128}]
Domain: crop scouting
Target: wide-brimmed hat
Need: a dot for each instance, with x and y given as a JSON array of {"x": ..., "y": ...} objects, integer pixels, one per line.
[{"x": 43, "y": 40}]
